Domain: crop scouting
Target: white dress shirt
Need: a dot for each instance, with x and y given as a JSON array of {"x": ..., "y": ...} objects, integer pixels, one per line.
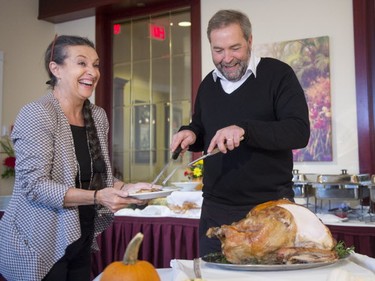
[{"x": 230, "y": 86}]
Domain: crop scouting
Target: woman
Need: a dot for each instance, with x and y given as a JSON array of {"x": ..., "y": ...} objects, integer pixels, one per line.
[{"x": 64, "y": 193}]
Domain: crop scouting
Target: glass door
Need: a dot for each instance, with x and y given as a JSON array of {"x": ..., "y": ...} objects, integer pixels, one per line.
[{"x": 151, "y": 91}]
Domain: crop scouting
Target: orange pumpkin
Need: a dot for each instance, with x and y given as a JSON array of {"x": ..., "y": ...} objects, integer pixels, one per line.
[{"x": 131, "y": 269}]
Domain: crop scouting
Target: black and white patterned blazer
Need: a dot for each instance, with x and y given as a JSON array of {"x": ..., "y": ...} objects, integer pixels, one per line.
[{"x": 36, "y": 229}]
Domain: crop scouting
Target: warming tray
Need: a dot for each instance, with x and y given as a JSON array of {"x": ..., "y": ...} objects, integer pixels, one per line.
[
  {"x": 302, "y": 184},
  {"x": 372, "y": 193},
  {"x": 342, "y": 186}
]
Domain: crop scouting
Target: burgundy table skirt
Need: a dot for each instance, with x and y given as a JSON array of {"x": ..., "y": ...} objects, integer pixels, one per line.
[
  {"x": 361, "y": 237},
  {"x": 165, "y": 238}
]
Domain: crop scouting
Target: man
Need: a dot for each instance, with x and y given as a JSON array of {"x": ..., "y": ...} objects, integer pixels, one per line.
[{"x": 254, "y": 110}]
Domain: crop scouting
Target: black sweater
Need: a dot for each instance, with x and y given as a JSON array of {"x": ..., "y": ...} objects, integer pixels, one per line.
[{"x": 273, "y": 111}]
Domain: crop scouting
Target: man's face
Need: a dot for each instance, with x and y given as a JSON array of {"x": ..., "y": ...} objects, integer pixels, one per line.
[{"x": 230, "y": 51}]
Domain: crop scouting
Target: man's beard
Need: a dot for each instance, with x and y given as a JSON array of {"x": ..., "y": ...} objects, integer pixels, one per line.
[{"x": 235, "y": 75}]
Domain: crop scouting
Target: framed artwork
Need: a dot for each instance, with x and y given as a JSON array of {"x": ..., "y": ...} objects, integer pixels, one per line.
[
  {"x": 145, "y": 134},
  {"x": 309, "y": 59}
]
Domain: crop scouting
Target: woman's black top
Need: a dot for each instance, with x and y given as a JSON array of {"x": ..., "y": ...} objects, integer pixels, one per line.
[{"x": 83, "y": 179}]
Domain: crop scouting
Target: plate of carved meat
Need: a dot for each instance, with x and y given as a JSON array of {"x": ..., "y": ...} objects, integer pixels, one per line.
[
  {"x": 218, "y": 260},
  {"x": 154, "y": 193}
]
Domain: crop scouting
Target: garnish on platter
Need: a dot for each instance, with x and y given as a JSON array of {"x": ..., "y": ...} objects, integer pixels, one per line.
[{"x": 341, "y": 250}]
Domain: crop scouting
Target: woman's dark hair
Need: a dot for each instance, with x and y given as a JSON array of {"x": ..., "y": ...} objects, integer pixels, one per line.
[
  {"x": 99, "y": 166},
  {"x": 57, "y": 52}
]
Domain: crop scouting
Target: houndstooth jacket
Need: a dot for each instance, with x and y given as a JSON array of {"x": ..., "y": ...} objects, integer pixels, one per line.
[{"x": 36, "y": 229}]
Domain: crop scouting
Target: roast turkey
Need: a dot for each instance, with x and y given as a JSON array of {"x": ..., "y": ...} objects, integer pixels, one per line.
[{"x": 276, "y": 232}]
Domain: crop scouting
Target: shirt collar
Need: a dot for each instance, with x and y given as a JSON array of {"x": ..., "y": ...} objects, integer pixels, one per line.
[{"x": 251, "y": 68}]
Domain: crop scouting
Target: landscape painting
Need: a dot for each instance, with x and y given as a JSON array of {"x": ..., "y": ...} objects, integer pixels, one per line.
[{"x": 309, "y": 58}]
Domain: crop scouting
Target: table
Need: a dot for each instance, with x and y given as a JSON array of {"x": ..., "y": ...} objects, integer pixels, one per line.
[
  {"x": 167, "y": 238},
  {"x": 339, "y": 271}
]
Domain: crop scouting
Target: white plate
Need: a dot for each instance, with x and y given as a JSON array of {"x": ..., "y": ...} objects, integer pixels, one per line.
[
  {"x": 151, "y": 195},
  {"x": 266, "y": 267},
  {"x": 186, "y": 185}
]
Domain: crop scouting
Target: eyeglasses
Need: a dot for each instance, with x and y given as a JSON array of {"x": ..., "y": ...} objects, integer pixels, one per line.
[{"x": 53, "y": 47}]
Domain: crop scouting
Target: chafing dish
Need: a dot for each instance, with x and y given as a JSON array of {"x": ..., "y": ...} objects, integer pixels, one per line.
[
  {"x": 372, "y": 195},
  {"x": 302, "y": 184},
  {"x": 342, "y": 186}
]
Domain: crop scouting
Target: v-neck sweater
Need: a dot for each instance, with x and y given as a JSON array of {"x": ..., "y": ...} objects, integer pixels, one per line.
[{"x": 272, "y": 110}]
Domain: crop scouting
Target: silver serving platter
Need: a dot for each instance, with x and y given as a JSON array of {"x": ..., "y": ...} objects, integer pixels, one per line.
[{"x": 267, "y": 267}]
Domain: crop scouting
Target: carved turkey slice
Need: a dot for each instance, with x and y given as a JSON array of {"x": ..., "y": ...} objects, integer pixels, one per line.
[{"x": 276, "y": 232}]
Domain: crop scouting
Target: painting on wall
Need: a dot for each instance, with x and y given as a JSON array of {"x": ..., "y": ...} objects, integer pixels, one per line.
[{"x": 309, "y": 59}]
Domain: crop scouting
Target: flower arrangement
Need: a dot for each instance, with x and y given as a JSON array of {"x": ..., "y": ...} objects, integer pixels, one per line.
[
  {"x": 10, "y": 161},
  {"x": 195, "y": 171}
]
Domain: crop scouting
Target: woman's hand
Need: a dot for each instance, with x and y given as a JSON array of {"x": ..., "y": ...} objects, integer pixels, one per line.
[
  {"x": 115, "y": 199},
  {"x": 118, "y": 197}
]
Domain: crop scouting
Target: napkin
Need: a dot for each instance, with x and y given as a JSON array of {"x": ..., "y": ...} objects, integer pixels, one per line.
[
  {"x": 364, "y": 261},
  {"x": 178, "y": 198},
  {"x": 158, "y": 211},
  {"x": 149, "y": 211},
  {"x": 180, "y": 271}
]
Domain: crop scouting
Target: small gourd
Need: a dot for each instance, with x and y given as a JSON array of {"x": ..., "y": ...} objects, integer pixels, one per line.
[{"x": 131, "y": 269}]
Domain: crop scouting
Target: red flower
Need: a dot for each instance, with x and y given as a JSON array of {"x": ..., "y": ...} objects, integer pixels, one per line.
[{"x": 10, "y": 162}]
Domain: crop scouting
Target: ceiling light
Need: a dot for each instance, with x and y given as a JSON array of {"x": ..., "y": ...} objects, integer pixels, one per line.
[{"x": 184, "y": 23}]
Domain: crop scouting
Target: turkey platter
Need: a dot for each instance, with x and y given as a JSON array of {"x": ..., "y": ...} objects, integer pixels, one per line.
[{"x": 276, "y": 232}]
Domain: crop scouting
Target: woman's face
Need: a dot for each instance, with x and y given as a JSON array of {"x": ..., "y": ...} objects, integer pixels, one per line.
[
  {"x": 79, "y": 74},
  {"x": 230, "y": 51}
]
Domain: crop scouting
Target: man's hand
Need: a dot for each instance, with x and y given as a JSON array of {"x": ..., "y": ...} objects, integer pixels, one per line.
[
  {"x": 227, "y": 138},
  {"x": 184, "y": 139}
]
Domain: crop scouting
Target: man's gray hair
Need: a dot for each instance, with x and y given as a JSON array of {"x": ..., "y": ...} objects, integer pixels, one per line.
[{"x": 224, "y": 18}]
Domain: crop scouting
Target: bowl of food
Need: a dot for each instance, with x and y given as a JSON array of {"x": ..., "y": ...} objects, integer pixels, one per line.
[{"x": 187, "y": 185}]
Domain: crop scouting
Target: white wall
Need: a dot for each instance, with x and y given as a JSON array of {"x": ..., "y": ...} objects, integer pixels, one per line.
[
  {"x": 82, "y": 27},
  {"x": 275, "y": 21},
  {"x": 24, "y": 39},
  {"x": 2, "y": 132}
]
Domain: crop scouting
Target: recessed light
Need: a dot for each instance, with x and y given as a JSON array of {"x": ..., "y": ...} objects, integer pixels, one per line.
[{"x": 184, "y": 23}]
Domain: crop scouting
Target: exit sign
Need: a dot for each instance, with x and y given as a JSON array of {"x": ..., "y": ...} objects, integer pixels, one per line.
[{"x": 157, "y": 32}]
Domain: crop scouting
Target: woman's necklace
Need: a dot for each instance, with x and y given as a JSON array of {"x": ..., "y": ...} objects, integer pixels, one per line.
[{"x": 80, "y": 185}]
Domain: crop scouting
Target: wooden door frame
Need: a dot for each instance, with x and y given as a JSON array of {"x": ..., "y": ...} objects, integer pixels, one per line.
[
  {"x": 364, "y": 45},
  {"x": 104, "y": 23}
]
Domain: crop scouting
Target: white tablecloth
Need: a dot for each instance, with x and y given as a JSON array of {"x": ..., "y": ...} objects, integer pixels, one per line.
[{"x": 344, "y": 270}]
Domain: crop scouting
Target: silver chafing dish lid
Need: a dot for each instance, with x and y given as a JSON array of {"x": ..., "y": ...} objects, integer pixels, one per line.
[
  {"x": 343, "y": 179},
  {"x": 299, "y": 178}
]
